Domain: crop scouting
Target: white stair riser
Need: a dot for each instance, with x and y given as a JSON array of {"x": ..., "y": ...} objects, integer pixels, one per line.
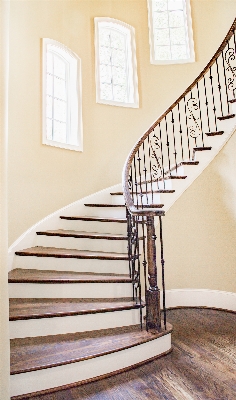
[
  {"x": 72, "y": 264},
  {"x": 117, "y": 246},
  {"x": 87, "y": 369},
  {"x": 70, "y": 290},
  {"x": 106, "y": 212},
  {"x": 94, "y": 226},
  {"x": 72, "y": 324}
]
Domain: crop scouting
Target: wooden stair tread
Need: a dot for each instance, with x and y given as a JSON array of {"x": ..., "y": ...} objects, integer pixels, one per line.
[
  {"x": 226, "y": 117},
  {"x": 20, "y": 275},
  {"x": 82, "y": 234},
  {"x": 93, "y": 219},
  {"x": 232, "y": 101},
  {"x": 202, "y": 148},
  {"x": 104, "y": 205},
  {"x": 23, "y": 309},
  {"x": 177, "y": 177},
  {"x": 31, "y": 354},
  {"x": 215, "y": 133},
  {"x": 144, "y": 192},
  {"x": 40, "y": 251}
]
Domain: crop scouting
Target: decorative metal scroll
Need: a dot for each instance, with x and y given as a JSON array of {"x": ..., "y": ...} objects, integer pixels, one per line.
[
  {"x": 194, "y": 118},
  {"x": 156, "y": 170},
  {"x": 230, "y": 59}
]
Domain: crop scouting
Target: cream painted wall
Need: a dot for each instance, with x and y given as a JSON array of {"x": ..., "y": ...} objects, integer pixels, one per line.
[
  {"x": 200, "y": 229},
  {"x": 42, "y": 179}
]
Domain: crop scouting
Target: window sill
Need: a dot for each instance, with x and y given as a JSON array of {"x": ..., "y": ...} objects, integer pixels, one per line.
[{"x": 66, "y": 146}]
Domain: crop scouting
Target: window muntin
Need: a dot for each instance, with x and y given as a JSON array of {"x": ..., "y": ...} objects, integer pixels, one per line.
[
  {"x": 170, "y": 30},
  {"x": 62, "y": 114},
  {"x": 116, "y": 75}
]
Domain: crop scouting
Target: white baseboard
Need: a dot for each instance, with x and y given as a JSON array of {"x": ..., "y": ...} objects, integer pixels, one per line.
[{"x": 200, "y": 298}]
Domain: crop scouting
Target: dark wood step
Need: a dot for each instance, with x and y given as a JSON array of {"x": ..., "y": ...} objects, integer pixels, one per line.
[
  {"x": 144, "y": 192},
  {"x": 177, "y": 177},
  {"x": 31, "y": 354},
  {"x": 202, "y": 148},
  {"x": 232, "y": 101},
  {"x": 19, "y": 275},
  {"x": 94, "y": 219},
  {"x": 40, "y": 251},
  {"x": 226, "y": 117},
  {"x": 85, "y": 235},
  {"x": 24, "y": 309},
  {"x": 189, "y": 162},
  {"x": 105, "y": 205},
  {"x": 215, "y": 133}
]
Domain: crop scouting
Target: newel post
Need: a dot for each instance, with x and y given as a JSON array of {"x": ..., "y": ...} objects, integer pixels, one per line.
[{"x": 153, "y": 317}]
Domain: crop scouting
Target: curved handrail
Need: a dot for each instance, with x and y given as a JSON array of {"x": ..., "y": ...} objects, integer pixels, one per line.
[{"x": 135, "y": 210}]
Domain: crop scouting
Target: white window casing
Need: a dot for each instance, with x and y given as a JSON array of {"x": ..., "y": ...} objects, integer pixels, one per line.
[
  {"x": 116, "y": 65},
  {"x": 62, "y": 101},
  {"x": 170, "y": 32}
]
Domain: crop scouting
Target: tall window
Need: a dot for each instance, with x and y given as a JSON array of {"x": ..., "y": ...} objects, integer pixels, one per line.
[
  {"x": 62, "y": 116},
  {"x": 116, "y": 67},
  {"x": 170, "y": 31}
]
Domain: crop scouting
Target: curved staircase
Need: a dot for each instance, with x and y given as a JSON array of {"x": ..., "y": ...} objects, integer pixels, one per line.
[{"x": 76, "y": 303}]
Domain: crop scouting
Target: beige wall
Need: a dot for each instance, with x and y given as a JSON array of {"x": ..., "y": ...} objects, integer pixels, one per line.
[{"x": 42, "y": 178}]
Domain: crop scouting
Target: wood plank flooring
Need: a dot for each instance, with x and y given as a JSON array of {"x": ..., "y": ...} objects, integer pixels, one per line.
[{"x": 202, "y": 365}]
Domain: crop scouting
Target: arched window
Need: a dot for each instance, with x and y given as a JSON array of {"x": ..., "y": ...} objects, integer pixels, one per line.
[
  {"x": 116, "y": 67},
  {"x": 170, "y": 31},
  {"x": 62, "y": 114}
]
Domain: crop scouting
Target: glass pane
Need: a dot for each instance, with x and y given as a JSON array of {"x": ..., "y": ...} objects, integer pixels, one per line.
[
  {"x": 162, "y": 37},
  {"x": 60, "y": 110},
  {"x": 161, "y": 19},
  {"x": 59, "y": 88},
  {"x": 49, "y": 128},
  {"x": 105, "y": 73},
  {"x": 117, "y": 40},
  {"x": 159, "y": 5},
  {"x": 162, "y": 53},
  {"x": 105, "y": 55},
  {"x": 49, "y": 107},
  {"x": 106, "y": 92},
  {"x": 49, "y": 81},
  {"x": 59, "y": 67},
  {"x": 119, "y": 76},
  {"x": 175, "y": 4},
  {"x": 118, "y": 58},
  {"x": 104, "y": 37},
  {"x": 120, "y": 93},
  {"x": 176, "y": 19},
  {"x": 179, "y": 52},
  {"x": 59, "y": 132},
  {"x": 49, "y": 63},
  {"x": 177, "y": 36}
]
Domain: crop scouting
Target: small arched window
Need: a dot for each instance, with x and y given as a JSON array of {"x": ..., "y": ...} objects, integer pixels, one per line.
[
  {"x": 116, "y": 67},
  {"x": 62, "y": 114},
  {"x": 170, "y": 31}
]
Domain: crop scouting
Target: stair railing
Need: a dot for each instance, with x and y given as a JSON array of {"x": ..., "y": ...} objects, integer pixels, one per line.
[{"x": 157, "y": 158}]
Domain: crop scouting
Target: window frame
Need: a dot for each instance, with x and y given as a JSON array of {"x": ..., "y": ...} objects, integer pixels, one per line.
[
  {"x": 74, "y": 124},
  {"x": 189, "y": 36},
  {"x": 131, "y": 64}
]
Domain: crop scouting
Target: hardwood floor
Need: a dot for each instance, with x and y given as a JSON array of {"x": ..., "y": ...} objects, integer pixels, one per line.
[{"x": 202, "y": 365}]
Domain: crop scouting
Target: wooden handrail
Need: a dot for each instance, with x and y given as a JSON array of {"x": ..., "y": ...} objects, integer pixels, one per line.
[{"x": 128, "y": 200}]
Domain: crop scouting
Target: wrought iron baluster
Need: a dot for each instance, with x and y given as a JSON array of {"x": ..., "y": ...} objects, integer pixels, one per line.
[
  {"x": 173, "y": 131},
  {"x": 181, "y": 136},
  {"x": 162, "y": 159},
  {"x": 136, "y": 182},
  {"x": 213, "y": 98},
  {"x": 199, "y": 105},
  {"x": 219, "y": 86},
  {"x": 150, "y": 165},
  {"x": 226, "y": 88},
  {"x": 145, "y": 172},
  {"x": 140, "y": 178},
  {"x": 187, "y": 130},
  {"x": 168, "y": 145},
  {"x": 208, "y": 119}
]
